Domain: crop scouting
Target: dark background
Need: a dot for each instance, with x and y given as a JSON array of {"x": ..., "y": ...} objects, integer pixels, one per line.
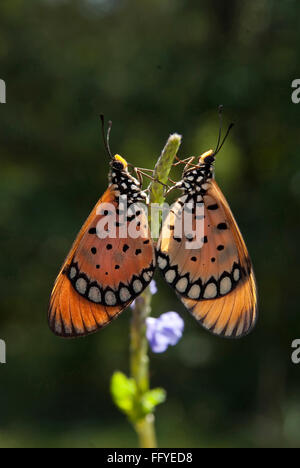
[{"x": 153, "y": 67}]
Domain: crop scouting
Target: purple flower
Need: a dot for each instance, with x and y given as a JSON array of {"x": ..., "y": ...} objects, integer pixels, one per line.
[
  {"x": 164, "y": 331},
  {"x": 153, "y": 290},
  {"x": 153, "y": 287}
]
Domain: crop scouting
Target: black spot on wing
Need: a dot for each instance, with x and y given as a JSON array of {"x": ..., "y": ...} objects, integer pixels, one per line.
[
  {"x": 213, "y": 207},
  {"x": 222, "y": 226}
]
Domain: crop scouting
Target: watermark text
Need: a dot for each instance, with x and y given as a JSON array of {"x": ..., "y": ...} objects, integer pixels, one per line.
[
  {"x": 296, "y": 353},
  {"x": 2, "y": 92},
  {"x": 184, "y": 222},
  {"x": 2, "y": 352},
  {"x": 296, "y": 92}
]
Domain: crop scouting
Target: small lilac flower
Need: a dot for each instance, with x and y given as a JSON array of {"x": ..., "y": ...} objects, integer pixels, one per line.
[
  {"x": 153, "y": 287},
  {"x": 153, "y": 290},
  {"x": 164, "y": 331}
]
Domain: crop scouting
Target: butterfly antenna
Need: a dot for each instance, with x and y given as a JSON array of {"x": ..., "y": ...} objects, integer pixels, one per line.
[
  {"x": 219, "y": 144},
  {"x": 106, "y": 137},
  {"x": 220, "y": 110},
  {"x": 225, "y": 137}
]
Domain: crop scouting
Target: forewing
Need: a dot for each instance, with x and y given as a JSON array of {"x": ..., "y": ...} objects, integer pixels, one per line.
[{"x": 102, "y": 276}]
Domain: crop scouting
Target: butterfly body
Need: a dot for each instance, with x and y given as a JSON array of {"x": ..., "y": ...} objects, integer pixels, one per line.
[
  {"x": 106, "y": 268},
  {"x": 214, "y": 278}
]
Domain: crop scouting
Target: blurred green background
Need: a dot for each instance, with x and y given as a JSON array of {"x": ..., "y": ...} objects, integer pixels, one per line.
[{"x": 153, "y": 67}]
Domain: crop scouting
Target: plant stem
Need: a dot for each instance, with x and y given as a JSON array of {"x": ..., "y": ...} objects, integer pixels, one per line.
[
  {"x": 140, "y": 365},
  {"x": 139, "y": 360}
]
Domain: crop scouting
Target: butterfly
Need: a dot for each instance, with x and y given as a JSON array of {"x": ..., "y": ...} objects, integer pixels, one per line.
[
  {"x": 213, "y": 276},
  {"x": 111, "y": 261}
]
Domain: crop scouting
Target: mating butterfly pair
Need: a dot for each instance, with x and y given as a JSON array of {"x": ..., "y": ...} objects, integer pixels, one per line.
[{"x": 103, "y": 275}]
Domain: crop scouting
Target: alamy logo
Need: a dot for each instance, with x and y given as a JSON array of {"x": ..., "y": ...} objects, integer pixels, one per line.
[
  {"x": 2, "y": 92},
  {"x": 296, "y": 92},
  {"x": 2, "y": 352},
  {"x": 125, "y": 221},
  {"x": 296, "y": 353}
]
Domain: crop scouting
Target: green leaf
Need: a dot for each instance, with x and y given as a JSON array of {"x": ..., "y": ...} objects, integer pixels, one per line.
[
  {"x": 123, "y": 392},
  {"x": 152, "y": 398}
]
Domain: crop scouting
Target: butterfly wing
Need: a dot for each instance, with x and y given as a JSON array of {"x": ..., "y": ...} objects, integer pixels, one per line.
[
  {"x": 101, "y": 276},
  {"x": 216, "y": 281}
]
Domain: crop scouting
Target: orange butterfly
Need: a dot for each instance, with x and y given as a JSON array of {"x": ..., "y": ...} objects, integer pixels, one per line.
[
  {"x": 215, "y": 280},
  {"x": 105, "y": 271}
]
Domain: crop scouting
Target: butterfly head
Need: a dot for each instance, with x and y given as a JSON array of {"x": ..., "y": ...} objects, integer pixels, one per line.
[
  {"x": 207, "y": 158},
  {"x": 118, "y": 163}
]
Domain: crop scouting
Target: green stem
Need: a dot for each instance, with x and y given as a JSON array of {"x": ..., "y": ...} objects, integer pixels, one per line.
[
  {"x": 139, "y": 360},
  {"x": 139, "y": 365}
]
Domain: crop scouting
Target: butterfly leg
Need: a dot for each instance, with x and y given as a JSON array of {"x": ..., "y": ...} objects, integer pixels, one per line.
[
  {"x": 144, "y": 169},
  {"x": 141, "y": 171},
  {"x": 178, "y": 185},
  {"x": 172, "y": 181},
  {"x": 183, "y": 161},
  {"x": 187, "y": 162},
  {"x": 139, "y": 176}
]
